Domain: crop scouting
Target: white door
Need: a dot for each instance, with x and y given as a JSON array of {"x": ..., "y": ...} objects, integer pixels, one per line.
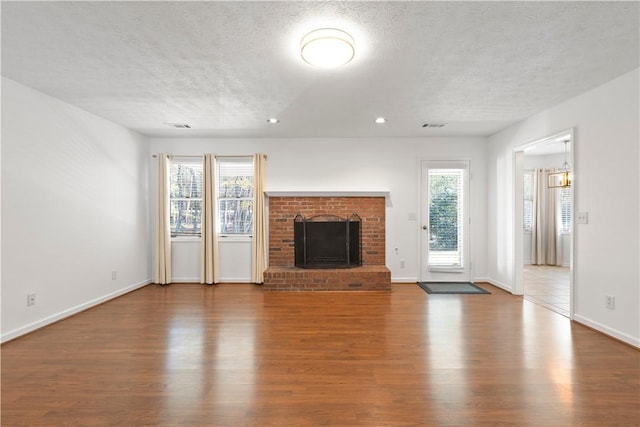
[{"x": 445, "y": 221}]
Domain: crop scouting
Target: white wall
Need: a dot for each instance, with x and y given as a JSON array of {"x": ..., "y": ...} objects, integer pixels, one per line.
[
  {"x": 607, "y": 186},
  {"x": 351, "y": 164},
  {"x": 74, "y": 209}
]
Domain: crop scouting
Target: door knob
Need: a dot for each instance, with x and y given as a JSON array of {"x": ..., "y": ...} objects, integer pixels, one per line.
[{"x": 424, "y": 227}]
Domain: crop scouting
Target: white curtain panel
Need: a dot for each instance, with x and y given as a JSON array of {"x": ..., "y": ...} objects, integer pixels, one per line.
[
  {"x": 546, "y": 242},
  {"x": 209, "y": 242},
  {"x": 162, "y": 264},
  {"x": 259, "y": 241}
]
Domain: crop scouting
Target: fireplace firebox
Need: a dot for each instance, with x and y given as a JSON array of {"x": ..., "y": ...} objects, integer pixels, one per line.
[{"x": 327, "y": 241}]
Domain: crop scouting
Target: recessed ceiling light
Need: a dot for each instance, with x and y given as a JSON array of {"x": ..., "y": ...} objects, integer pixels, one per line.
[
  {"x": 327, "y": 47},
  {"x": 273, "y": 120},
  {"x": 381, "y": 120}
]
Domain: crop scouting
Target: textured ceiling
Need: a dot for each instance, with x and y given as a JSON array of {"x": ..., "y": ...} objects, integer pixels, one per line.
[{"x": 225, "y": 67}]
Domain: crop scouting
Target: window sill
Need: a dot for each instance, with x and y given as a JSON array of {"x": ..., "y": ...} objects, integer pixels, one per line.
[
  {"x": 234, "y": 238},
  {"x": 221, "y": 239},
  {"x": 185, "y": 239}
]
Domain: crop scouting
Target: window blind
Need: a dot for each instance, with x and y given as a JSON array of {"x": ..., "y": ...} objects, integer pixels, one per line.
[
  {"x": 185, "y": 196},
  {"x": 566, "y": 208},
  {"x": 528, "y": 200},
  {"x": 235, "y": 195},
  {"x": 445, "y": 217}
]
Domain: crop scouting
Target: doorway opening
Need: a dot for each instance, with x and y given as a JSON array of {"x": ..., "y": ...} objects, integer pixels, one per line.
[
  {"x": 445, "y": 221},
  {"x": 543, "y": 223}
]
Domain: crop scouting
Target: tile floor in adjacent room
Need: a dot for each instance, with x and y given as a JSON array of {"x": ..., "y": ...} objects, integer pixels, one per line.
[{"x": 548, "y": 286}]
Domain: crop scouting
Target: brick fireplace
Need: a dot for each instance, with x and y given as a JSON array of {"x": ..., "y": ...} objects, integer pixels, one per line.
[{"x": 282, "y": 275}]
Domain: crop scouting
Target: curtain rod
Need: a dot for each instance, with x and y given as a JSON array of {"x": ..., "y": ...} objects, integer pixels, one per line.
[{"x": 202, "y": 155}]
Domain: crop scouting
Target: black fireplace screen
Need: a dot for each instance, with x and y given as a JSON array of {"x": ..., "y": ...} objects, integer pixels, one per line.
[{"x": 327, "y": 241}]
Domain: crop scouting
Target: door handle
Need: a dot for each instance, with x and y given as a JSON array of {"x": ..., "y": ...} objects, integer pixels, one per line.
[{"x": 424, "y": 227}]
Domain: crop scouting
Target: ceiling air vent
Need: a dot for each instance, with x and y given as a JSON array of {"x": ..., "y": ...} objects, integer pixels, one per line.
[
  {"x": 178, "y": 125},
  {"x": 433, "y": 125}
]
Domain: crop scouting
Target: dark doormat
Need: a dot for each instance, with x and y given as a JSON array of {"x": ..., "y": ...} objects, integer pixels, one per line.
[{"x": 451, "y": 288}]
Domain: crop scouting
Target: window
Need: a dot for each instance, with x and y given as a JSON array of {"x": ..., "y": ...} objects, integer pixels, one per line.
[
  {"x": 528, "y": 201},
  {"x": 566, "y": 206},
  {"x": 445, "y": 217},
  {"x": 185, "y": 196},
  {"x": 235, "y": 195}
]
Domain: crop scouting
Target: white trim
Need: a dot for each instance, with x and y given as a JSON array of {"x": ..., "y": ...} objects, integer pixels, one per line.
[
  {"x": 517, "y": 222},
  {"x": 496, "y": 283},
  {"x": 385, "y": 194},
  {"x": 192, "y": 280},
  {"x": 185, "y": 239},
  {"x": 634, "y": 341},
  {"x": 234, "y": 238},
  {"x": 70, "y": 312},
  {"x": 443, "y": 269},
  {"x": 179, "y": 280}
]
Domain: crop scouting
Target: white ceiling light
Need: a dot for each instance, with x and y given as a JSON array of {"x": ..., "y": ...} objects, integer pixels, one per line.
[
  {"x": 273, "y": 120},
  {"x": 381, "y": 120},
  {"x": 327, "y": 48}
]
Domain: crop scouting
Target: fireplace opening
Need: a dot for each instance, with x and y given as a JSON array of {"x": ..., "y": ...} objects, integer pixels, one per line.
[{"x": 327, "y": 241}]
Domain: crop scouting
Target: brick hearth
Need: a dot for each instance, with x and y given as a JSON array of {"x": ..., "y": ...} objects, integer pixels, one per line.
[
  {"x": 364, "y": 278},
  {"x": 281, "y": 275}
]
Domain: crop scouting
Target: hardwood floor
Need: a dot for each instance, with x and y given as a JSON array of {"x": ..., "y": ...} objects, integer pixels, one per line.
[
  {"x": 233, "y": 355},
  {"x": 548, "y": 286}
]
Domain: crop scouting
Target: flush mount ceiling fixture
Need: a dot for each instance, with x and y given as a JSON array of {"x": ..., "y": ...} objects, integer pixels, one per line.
[{"x": 327, "y": 48}]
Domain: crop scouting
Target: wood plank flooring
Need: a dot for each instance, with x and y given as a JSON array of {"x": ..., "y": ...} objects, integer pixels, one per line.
[
  {"x": 548, "y": 286},
  {"x": 233, "y": 355}
]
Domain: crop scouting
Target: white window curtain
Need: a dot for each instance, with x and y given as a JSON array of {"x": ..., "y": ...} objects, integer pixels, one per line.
[
  {"x": 162, "y": 264},
  {"x": 209, "y": 242},
  {"x": 546, "y": 239},
  {"x": 259, "y": 241}
]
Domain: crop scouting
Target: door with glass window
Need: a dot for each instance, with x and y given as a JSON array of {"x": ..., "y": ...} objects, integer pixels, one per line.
[{"x": 445, "y": 222}]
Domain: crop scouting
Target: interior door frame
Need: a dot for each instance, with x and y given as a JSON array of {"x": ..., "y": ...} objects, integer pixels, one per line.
[
  {"x": 518, "y": 211},
  {"x": 467, "y": 275}
]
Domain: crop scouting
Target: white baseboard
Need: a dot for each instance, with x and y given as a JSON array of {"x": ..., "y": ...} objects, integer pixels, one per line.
[
  {"x": 70, "y": 312},
  {"x": 234, "y": 280},
  {"x": 185, "y": 280},
  {"x": 190, "y": 280},
  {"x": 634, "y": 341},
  {"x": 494, "y": 282}
]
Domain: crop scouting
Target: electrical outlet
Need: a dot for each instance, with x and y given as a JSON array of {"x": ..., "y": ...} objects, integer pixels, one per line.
[
  {"x": 31, "y": 299},
  {"x": 402, "y": 264},
  {"x": 610, "y": 302},
  {"x": 582, "y": 217},
  {"x": 114, "y": 275}
]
